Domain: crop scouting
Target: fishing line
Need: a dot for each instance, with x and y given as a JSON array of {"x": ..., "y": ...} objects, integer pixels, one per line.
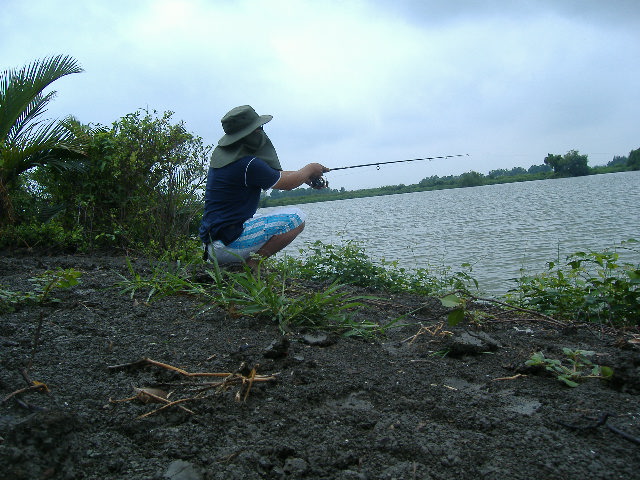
[
  {"x": 377, "y": 164},
  {"x": 321, "y": 182}
]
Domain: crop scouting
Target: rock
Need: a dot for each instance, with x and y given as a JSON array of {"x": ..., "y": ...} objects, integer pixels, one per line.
[
  {"x": 471, "y": 343},
  {"x": 181, "y": 470},
  {"x": 277, "y": 349},
  {"x": 318, "y": 339},
  {"x": 295, "y": 467}
]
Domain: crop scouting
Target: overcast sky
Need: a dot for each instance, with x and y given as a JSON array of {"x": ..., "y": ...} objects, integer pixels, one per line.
[{"x": 351, "y": 82}]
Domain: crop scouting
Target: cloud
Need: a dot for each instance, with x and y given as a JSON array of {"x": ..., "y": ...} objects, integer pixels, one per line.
[{"x": 354, "y": 81}]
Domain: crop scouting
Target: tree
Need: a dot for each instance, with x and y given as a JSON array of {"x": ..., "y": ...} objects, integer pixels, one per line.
[
  {"x": 27, "y": 140},
  {"x": 539, "y": 169},
  {"x": 141, "y": 185},
  {"x": 571, "y": 164},
  {"x": 618, "y": 161},
  {"x": 471, "y": 179},
  {"x": 634, "y": 159}
]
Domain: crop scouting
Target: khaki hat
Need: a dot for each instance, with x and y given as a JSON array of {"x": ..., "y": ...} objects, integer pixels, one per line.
[{"x": 240, "y": 122}]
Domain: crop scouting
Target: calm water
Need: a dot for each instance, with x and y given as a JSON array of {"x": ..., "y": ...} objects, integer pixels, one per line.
[{"x": 498, "y": 228}]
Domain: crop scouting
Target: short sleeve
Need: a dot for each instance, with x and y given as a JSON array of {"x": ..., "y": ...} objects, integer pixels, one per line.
[{"x": 259, "y": 174}]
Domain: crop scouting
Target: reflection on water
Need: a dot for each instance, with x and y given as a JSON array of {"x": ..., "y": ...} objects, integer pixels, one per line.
[{"x": 498, "y": 228}]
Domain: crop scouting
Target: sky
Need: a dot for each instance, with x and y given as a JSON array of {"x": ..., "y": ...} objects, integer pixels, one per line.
[{"x": 351, "y": 82}]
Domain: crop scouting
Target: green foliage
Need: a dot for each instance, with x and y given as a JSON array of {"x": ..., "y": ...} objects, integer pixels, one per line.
[
  {"x": 264, "y": 295},
  {"x": 166, "y": 279},
  {"x": 589, "y": 286},
  {"x": 458, "y": 304},
  {"x": 26, "y": 140},
  {"x": 139, "y": 187},
  {"x": 44, "y": 284},
  {"x": 471, "y": 179},
  {"x": 571, "y": 164},
  {"x": 574, "y": 367},
  {"x": 51, "y": 234},
  {"x": 633, "y": 162},
  {"x": 349, "y": 263}
]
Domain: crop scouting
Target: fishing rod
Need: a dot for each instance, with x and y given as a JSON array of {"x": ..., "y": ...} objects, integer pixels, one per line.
[
  {"x": 377, "y": 164},
  {"x": 321, "y": 182}
]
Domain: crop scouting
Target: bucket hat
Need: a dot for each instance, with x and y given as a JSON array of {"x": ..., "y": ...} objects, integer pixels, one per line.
[{"x": 240, "y": 122}]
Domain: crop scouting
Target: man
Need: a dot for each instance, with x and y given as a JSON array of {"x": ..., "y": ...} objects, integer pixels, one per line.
[{"x": 242, "y": 165}]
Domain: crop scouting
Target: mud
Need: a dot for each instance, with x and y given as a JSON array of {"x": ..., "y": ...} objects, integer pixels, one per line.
[{"x": 414, "y": 404}]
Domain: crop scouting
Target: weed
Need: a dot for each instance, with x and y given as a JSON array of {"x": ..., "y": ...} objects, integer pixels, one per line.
[
  {"x": 54, "y": 279},
  {"x": 44, "y": 284},
  {"x": 265, "y": 295},
  {"x": 349, "y": 264},
  {"x": 166, "y": 279},
  {"x": 573, "y": 367},
  {"x": 592, "y": 286}
]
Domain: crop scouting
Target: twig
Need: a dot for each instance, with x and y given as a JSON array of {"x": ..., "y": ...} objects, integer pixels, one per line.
[
  {"x": 36, "y": 386},
  {"x": 147, "y": 361},
  {"x": 518, "y": 375},
  {"x": 228, "y": 379},
  {"x": 170, "y": 404}
]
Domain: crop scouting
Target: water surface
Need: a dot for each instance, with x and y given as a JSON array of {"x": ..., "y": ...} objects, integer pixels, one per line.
[{"x": 499, "y": 229}]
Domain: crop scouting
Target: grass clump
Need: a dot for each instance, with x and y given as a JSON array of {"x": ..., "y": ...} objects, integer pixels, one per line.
[{"x": 270, "y": 295}]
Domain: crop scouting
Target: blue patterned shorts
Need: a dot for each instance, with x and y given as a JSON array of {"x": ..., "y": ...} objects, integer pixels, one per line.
[{"x": 257, "y": 231}]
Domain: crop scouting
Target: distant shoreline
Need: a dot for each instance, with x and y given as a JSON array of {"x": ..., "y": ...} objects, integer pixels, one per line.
[{"x": 308, "y": 195}]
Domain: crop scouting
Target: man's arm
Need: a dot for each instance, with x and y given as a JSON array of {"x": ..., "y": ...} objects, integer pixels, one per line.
[{"x": 293, "y": 179}]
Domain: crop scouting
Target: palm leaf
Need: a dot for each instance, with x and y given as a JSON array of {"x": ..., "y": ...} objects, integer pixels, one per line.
[{"x": 21, "y": 98}]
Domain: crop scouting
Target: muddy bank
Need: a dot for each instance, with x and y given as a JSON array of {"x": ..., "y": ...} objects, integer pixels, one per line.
[{"x": 418, "y": 403}]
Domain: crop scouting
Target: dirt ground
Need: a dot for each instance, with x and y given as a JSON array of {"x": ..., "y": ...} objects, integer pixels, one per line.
[{"x": 396, "y": 407}]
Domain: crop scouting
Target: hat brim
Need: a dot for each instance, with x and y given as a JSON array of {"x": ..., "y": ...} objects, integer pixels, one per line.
[{"x": 234, "y": 137}]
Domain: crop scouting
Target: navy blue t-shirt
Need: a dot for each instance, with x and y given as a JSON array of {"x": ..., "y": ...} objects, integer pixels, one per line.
[{"x": 232, "y": 196}]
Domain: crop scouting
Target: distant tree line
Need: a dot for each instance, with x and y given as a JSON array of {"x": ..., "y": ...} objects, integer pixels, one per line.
[{"x": 571, "y": 164}]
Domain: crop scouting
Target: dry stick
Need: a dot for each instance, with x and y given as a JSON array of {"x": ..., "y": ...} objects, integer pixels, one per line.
[
  {"x": 37, "y": 386},
  {"x": 252, "y": 377},
  {"x": 517, "y": 375},
  {"x": 157, "y": 398},
  {"x": 170, "y": 404},
  {"x": 148, "y": 361}
]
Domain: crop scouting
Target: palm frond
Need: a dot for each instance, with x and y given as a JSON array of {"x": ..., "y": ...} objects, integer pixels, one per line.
[{"x": 19, "y": 89}]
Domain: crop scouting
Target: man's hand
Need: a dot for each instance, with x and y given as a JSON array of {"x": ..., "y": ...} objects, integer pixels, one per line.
[{"x": 307, "y": 174}]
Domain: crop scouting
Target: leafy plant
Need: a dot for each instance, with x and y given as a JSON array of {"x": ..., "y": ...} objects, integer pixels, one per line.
[
  {"x": 26, "y": 140},
  {"x": 574, "y": 367},
  {"x": 261, "y": 294},
  {"x": 348, "y": 263},
  {"x": 166, "y": 279},
  {"x": 54, "y": 279},
  {"x": 594, "y": 286},
  {"x": 44, "y": 283}
]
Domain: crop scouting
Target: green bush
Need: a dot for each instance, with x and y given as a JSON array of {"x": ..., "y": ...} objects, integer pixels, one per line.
[
  {"x": 349, "y": 263},
  {"x": 137, "y": 187},
  {"x": 589, "y": 286}
]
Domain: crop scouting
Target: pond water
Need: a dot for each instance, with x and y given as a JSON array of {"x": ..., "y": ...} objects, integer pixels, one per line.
[{"x": 499, "y": 229}]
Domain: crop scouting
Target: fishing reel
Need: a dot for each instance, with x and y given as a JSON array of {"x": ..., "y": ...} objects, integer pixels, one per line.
[{"x": 319, "y": 183}]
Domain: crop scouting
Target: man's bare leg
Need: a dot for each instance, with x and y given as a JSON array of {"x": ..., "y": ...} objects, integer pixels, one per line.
[{"x": 275, "y": 244}]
